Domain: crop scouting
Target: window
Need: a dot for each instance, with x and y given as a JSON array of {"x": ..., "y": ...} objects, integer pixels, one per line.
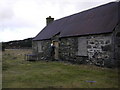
[
  {"x": 82, "y": 46},
  {"x": 39, "y": 46},
  {"x": 34, "y": 46}
]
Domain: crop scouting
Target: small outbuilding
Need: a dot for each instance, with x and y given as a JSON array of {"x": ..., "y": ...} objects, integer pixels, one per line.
[{"x": 88, "y": 37}]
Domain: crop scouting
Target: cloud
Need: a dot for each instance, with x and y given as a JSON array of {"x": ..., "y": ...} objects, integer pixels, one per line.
[
  {"x": 16, "y": 15},
  {"x": 18, "y": 34},
  {"x": 5, "y": 12},
  {"x": 20, "y": 19}
]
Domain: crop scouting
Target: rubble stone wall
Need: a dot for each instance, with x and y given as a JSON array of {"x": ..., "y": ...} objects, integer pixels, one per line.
[
  {"x": 45, "y": 49},
  {"x": 97, "y": 49},
  {"x": 116, "y": 39},
  {"x": 90, "y": 49}
]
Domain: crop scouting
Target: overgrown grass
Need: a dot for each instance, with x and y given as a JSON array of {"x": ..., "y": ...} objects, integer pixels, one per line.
[{"x": 18, "y": 73}]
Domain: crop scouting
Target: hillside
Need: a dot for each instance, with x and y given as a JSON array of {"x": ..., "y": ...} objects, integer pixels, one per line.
[{"x": 16, "y": 44}]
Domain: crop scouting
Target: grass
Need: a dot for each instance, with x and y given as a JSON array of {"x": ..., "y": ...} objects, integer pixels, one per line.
[{"x": 18, "y": 73}]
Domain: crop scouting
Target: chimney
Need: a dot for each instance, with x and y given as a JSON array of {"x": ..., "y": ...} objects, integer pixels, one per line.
[{"x": 49, "y": 20}]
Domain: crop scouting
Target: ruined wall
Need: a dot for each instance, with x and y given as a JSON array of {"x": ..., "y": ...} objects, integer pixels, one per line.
[{"x": 92, "y": 49}]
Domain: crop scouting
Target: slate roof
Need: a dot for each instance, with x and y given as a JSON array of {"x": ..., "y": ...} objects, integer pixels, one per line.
[{"x": 102, "y": 19}]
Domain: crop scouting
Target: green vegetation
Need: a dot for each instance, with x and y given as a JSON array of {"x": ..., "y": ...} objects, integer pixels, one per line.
[{"x": 18, "y": 73}]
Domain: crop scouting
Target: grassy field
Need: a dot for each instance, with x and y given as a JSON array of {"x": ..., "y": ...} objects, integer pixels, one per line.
[{"x": 18, "y": 73}]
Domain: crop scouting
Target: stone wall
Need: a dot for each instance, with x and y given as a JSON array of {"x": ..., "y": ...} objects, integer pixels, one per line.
[
  {"x": 45, "y": 49},
  {"x": 116, "y": 38},
  {"x": 91, "y": 49},
  {"x": 68, "y": 49},
  {"x": 98, "y": 48}
]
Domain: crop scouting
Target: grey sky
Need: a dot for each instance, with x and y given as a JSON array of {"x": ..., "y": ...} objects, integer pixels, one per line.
[{"x": 20, "y": 19}]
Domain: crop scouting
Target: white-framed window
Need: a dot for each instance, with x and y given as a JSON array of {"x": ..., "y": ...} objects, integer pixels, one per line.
[{"x": 82, "y": 46}]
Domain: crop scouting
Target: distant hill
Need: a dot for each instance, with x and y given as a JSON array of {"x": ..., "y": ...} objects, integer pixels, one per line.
[{"x": 16, "y": 44}]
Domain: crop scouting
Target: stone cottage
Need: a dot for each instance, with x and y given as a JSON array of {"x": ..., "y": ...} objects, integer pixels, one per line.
[{"x": 88, "y": 37}]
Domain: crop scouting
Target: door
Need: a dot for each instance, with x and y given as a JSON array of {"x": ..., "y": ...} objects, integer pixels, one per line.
[{"x": 56, "y": 44}]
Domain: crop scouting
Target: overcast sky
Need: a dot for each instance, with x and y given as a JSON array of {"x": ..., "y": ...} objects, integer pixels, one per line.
[{"x": 20, "y": 19}]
